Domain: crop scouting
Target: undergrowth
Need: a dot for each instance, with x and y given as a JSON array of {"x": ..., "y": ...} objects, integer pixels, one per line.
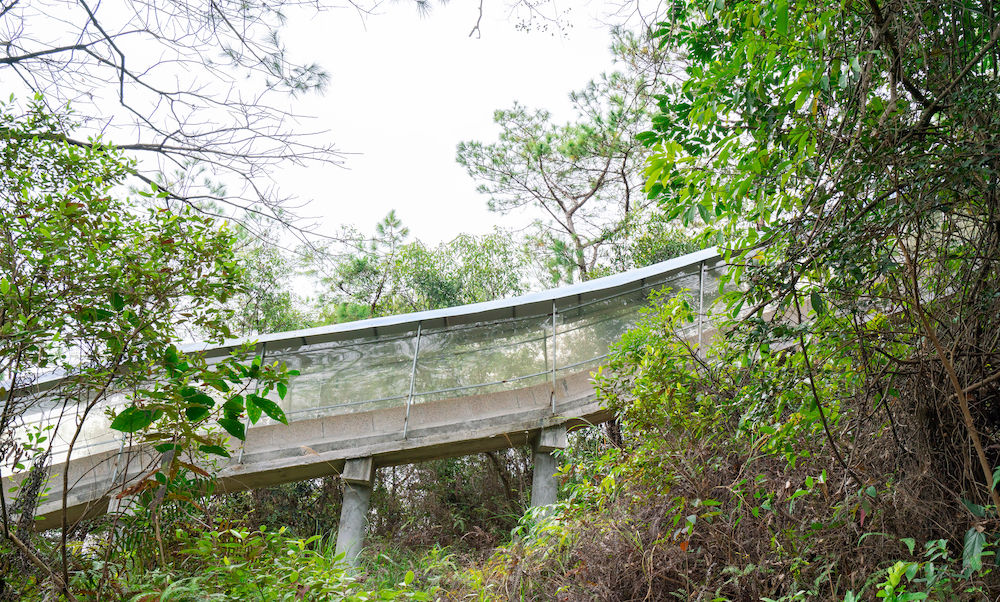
[{"x": 728, "y": 488}]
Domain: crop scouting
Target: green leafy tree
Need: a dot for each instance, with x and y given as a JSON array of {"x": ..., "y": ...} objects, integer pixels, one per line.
[
  {"x": 265, "y": 300},
  {"x": 651, "y": 240},
  {"x": 98, "y": 290},
  {"x": 387, "y": 274},
  {"x": 846, "y": 155},
  {"x": 583, "y": 177},
  {"x": 368, "y": 277}
]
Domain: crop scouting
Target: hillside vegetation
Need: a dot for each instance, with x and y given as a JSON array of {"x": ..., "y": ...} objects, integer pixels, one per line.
[{"x": 837, "y": 439}]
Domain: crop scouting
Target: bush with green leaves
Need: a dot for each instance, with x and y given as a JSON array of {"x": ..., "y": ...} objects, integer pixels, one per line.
[
  {"x": 729, "y": 487},
  {"x": 99, "y": 289},
  {"x": 268, "y": 565}
]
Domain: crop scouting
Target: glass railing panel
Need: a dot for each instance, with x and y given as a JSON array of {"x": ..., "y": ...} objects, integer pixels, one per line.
[
  {"x": 58, "y": 424},
  {"x": 586, "y": 331},
  {"x": 481, "y": 358},
  {"x": 346, "y": 376},
  {"x": 713, "y": 276}
]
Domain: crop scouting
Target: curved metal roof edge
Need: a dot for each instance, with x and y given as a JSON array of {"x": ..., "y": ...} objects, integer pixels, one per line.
[{"x": 469, "y": 311}]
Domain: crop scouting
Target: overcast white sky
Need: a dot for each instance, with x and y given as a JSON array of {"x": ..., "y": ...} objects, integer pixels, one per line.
[{"x": 406, "y": 89}]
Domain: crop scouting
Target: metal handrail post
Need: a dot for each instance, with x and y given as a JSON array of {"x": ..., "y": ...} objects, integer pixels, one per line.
[
  {"x": 701, "y": 302},
  {"x": 118, "y": 459},
  {"x": 413, "y": 380},
  {"x": 552, "y": 395}
]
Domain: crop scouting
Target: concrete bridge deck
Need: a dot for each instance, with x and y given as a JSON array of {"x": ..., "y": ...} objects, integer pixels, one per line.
[{"x": 403, "y": 389}]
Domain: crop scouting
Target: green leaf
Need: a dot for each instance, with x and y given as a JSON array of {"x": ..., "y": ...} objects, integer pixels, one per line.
[
  {"x": 253, "y": 409},
  {"x": 270, "y": 408},
  {"x": 817, "y": 302},
  {"x": 704, "y": 213},
  {"x": 4, "y": 286},
  {"x": 233, "y": 408},
  {"x": 234, "y": 428},
  {"x": 132, "y": 419},
  {"x": 975, "y": 509},
  {"x": 909, "y": 542},
  {"x": 689, "y": 215},
  {"x": 972, "y": 551},
  {"x": 171, "y": 358},
  {"x": 117, "y": 301},
  {"x": 218, "y": 450},
  {"x": 201, "y": 399},
  {"x": 218, "y": 384},
  {"x": 782, "y": 22},
  {"x": 282, "y": 390},
  {"x": 196, "y": 413},
  {"x": 165, "y": 447}
]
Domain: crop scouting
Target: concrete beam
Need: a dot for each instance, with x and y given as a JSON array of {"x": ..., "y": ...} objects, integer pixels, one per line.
[
  {"x": 544, "y": 485},
  {"x": 359, "y": 471},
  {"x": 551, "y": 439},
  {"x": 358, "y": 476}
]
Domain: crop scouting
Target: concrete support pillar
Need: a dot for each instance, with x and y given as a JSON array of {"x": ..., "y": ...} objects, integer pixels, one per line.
[
  {"x": 357, "y": 476},
  {"x": 544, "y": 486}
]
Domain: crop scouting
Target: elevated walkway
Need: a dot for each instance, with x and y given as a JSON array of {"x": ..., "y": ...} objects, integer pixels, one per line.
[{"x": 398, "y": 389}]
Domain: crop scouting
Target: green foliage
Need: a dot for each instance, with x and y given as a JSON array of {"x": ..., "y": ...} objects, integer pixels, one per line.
[
  {"x": 98, "y": 289},
  {"x": 387, "y": 274},
  {"x": 653, "y": 382},
  {"x": 90, "y": 282},
  {"x": 643, "y": 243},
  {"x": 847, "y": 173},
  {"x": 937, "y": 577},
  {"x": 725, "y": 451},
  {"x": 235, "y": 564},
  {"x": 582, "y": 177},
  {"x": 469, "y": 503},
  {"x": 842, "y": 154},
  {"x": 264, "y": 301},
  {"x": 174, "y": 412},
  {"x": 267, "y": 565}
]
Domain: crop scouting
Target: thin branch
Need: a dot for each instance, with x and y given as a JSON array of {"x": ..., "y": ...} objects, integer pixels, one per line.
[
  {"x": 479, "y": 19},
  {"x": 20, "y": 58},
  {"x": 111, "y": 42},
  {"x": 935, "y": 106},
  {"x": 963, "y": 401},
  {"x": 819, "y": 403},
  {"x": 39, "y": 563}
]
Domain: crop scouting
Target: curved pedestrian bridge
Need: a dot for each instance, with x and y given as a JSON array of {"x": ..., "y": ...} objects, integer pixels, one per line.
[{"x": 398, "y": 389}]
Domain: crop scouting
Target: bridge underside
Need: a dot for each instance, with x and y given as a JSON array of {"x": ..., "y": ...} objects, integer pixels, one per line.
[{"x": 318, "y": 447}]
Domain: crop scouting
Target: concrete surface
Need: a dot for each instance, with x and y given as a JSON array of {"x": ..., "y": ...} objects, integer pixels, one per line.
[{"x": 358, "y": 476}]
